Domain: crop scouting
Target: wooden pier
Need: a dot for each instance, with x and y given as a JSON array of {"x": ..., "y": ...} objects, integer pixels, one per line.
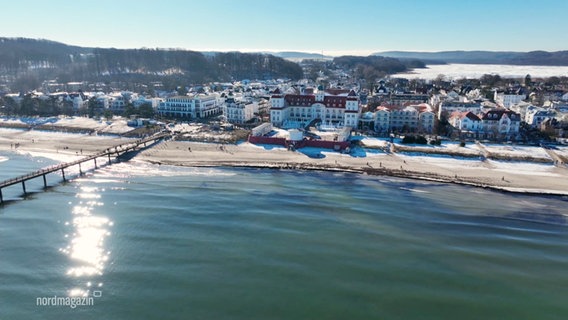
[{"x": 107, "y": 155}]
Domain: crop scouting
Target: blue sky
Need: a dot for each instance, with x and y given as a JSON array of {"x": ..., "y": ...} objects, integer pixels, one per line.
[{"x": 333, "y": 27}]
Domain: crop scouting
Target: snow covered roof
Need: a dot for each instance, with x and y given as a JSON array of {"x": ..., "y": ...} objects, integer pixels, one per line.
[{"x": 462, "y": 115}]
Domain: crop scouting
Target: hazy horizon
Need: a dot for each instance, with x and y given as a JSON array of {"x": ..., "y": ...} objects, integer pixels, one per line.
[
  {"x": 248, "y": 50},
  {"x": 357, "y": 28}
]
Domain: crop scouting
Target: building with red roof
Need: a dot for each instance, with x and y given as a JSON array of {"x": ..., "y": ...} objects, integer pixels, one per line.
[
  {"x": 334, "y": 107},
  {"x": 466, "y": 121}
]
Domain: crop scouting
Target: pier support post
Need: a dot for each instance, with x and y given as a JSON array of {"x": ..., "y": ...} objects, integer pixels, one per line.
[
  {"x": 95, "y": 163},
  {"x": 1, "y": 198},
  {"x": 44, "y": 182},
  {"x": 80, "y": 171},
  {"x": 108, "y": 158},
  {"x": 63, "y": 173},
  {"x": 24, "y": 186}
]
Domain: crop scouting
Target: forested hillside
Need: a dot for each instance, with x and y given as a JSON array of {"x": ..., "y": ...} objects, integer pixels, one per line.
[
  {"x": 26, "y": 62},
  {"x": 372, "y": 68}
]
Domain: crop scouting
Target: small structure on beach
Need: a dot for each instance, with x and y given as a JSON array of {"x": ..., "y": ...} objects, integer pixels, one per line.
[
  {"x": 261, "y": 130},
  {"x": 296, "y": 135},
  {"x": 295, "y": 138}
]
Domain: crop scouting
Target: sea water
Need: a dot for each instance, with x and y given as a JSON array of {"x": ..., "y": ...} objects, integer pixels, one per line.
[{"x": 142, "y": 241}]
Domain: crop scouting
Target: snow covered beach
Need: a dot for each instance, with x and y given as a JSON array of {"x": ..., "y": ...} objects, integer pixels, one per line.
[
  {"x": 526, "y": 177},
  {"x": 541, "y": 177}
]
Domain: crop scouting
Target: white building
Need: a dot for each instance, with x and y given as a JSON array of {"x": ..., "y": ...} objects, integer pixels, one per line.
[
  {"x": 102, "y": 102},
  {"x": 447, "y": 108},
  {"x": 191, "y": 107},
  {"x": 261, "y": 129},
  {"x": 522, "y": 108},
  {"x": 414, "y": 118},
  {"x": 239, "y": 111},
  {"x": 404, "y": 120},
  {"x": 382, "y": 120},
  {"x": 426, "y": 121},
  {"x": 466, "y": 121},
  {"x": 335, "y": 108},
  {"x": 154, "y": 102},
  {"x": 118, "y": 104},
  {"x": 78, "y": 102},
  {"x": 509, "y": 98},
  {"x": 501, "y": 124},
  {"x": 535, "y": 116}
]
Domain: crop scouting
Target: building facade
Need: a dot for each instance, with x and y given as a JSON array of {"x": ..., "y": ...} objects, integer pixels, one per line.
[
  {"x": 413, "y": 118},
  {"x": 191, "y": 107},
  {"x": 500, "y": 124},
  {"x": 400, "y": 99},
  {"x": 447, "y": 108},
  {"x": 466, "y": 122},
  {"x": 535, "y": 116},
  {"x": 239, "y": 112},
  {"x": 335, "y": 109},
  {"x": 509, "y": 98}
]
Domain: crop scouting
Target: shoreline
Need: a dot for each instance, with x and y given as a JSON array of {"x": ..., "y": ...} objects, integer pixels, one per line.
[
  {"x": 512, "y": 177},
  {"x": 423, "y": 176}
]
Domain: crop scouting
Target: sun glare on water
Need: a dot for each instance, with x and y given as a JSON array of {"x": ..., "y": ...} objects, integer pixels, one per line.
[{"x": 86, "y": 246}]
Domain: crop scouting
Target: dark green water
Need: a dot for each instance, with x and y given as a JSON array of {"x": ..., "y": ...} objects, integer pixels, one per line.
[{"x": 182, "y": 243}]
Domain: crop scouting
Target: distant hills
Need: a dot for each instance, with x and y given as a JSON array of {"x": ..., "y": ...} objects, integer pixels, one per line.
[
  {"x": 539, "y": 58},
  {"x": 295, "y": 55},
  {"x": 24, "y": 63}
]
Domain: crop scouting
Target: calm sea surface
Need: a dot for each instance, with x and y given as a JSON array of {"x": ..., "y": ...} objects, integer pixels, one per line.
[{"x": 151, "y": 242}]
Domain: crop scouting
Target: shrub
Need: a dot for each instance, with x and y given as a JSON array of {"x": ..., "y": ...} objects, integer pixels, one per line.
[
  {"x": 409, "y": 139},
  {"x": 421, "y": 140},
  {"x": 436, "y": 142},
  {"x": 462, "y": 144}
]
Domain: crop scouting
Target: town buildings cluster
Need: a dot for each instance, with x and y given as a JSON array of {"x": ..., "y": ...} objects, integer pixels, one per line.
[
  {"x": 391, "y": 106},
  {"x": 464, "y": 114}
]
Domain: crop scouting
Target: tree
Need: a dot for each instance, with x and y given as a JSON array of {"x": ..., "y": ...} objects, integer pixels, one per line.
[
  {"x": 490, "y": 80},
  {"x": 92, "y": 107},
  {"x": 107, "y": 114},
  {"x": 11, "y": 106},
  {"x": 29, "y": 106},
  {"x": 439, "y": 81},
  {"x": 553, "y": 81},
  {"x": 67, "y": 108},
  {"x": 408, "y": 139},
  {"x": 48, "y": 107},
  {"x": 181, "y": 90},
  {"x": 444, "y": 125},
  {"x": 146, "y": 110},
  {"x": 129, "y": 110},
  {"x": 528, "y": 81},
  {"x": 421, "y": 140}
]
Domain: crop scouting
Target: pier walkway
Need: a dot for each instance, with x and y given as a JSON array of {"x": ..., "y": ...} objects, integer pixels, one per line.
[{"x": 107, "y": 155}]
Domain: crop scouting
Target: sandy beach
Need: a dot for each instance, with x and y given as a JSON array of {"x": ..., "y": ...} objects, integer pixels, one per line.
[
  {"x": 508, "y": 176},
  {"x": 56, "y": 145},
  {"x": 525, "y": 177}
]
